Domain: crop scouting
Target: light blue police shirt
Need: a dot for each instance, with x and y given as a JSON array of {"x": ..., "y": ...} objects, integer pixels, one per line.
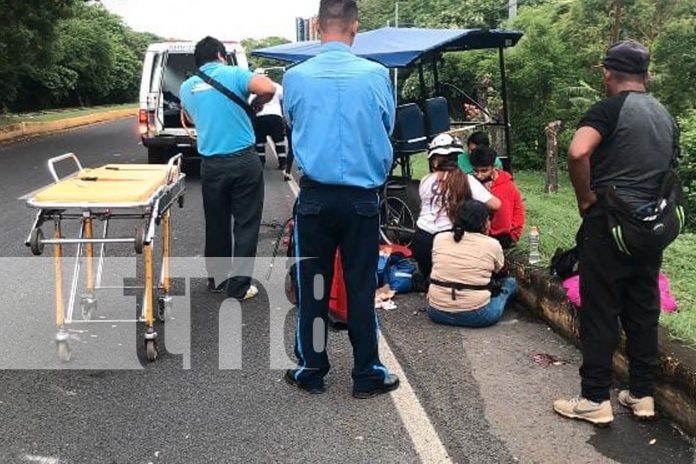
[
  {"x": 341, "y": 109},
  {"x": 222, "y": 126}
]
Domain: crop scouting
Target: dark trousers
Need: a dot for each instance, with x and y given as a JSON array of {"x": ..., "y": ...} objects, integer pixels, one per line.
[
  {"x": 328, "y": 217},
  {"x": 615, "y": 287},
  {"x": 232, "y": 188},
  {"x": 270, "y": 125},
  {"x": 291, "y": 154},
  {"x": 422, "y": 247}
]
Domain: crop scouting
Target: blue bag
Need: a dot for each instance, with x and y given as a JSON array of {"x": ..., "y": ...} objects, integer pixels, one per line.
[{"x": 400, "y": 273}]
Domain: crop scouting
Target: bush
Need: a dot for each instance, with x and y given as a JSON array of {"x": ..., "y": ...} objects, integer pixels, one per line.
[{"x": 687, "y": 163}]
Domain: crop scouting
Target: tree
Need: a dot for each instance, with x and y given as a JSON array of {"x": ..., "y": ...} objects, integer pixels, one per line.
[
  {"x": 254, "y": 44},
  {"x": 27, "y": 35}
]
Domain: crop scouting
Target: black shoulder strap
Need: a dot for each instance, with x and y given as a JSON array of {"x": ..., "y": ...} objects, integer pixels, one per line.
[{"x": 228, "y": 93}]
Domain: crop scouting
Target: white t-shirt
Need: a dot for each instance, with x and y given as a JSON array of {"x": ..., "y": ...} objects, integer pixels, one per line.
[
  {"x": 273, "y": 107},
  {"x": 431, "y": 218}
]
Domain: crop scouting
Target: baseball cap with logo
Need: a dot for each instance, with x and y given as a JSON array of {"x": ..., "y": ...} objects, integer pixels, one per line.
[{"x": 627, "y": 56}]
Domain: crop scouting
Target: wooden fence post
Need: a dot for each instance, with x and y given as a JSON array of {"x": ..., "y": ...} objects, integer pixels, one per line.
[{"x": 552, "y": 130}]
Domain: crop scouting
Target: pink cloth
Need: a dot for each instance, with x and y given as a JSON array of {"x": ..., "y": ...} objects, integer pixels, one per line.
[{"x": 667, "y": 301}]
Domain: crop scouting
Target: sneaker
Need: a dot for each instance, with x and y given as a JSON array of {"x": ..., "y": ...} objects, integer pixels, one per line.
[
  {"x": 643, "y": 408},
  {"x": 287, "y": 176},
  {"x": 290, "y": 380},
  {"x": 391, "y": 383},
  {"x": 581, "y": 408},
  {"x": 251, "y": 292}
]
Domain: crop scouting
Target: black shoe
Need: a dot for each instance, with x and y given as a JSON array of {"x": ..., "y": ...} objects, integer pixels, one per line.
[
  {"x": 212, "y": 288},
  {"x": 290, "y": 379},
  {"x": 391, "y": 383}
]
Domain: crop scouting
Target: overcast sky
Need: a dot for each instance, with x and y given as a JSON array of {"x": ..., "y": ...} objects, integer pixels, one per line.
[{"x": 223, "y": 19}]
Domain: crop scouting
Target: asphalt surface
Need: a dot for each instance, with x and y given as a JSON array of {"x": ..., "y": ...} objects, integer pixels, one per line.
[{"x": 216, "y": 392}]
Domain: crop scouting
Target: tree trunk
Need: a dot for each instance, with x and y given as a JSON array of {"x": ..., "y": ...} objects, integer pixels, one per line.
[
  {"x": 496, "y": 133},
  {"x": 616, "y": 24},
  {"x": 552, "y": 130}
]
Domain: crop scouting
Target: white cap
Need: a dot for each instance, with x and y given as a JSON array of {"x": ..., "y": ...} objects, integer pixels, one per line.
[{"x": 445, "y": 144}]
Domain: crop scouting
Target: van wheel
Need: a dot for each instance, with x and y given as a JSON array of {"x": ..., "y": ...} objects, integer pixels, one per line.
[{"x": 156, "y": 156}]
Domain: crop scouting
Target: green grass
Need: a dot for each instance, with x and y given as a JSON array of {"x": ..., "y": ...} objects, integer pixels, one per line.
[
  {"x": 54, "y": 115},
  {"x": 557, "y": 218}
]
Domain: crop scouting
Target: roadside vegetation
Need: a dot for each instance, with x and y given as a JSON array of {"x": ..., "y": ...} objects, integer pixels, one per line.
[
  {"x": 61, "y": 113},
  {"x": 66, "y": 54}
]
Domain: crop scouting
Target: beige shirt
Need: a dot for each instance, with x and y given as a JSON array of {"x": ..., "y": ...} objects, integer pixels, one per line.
[{"x": 472, "y": 261}]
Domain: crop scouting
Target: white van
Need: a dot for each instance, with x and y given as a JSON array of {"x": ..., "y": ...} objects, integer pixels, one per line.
[{"x": 166, "y": 66}]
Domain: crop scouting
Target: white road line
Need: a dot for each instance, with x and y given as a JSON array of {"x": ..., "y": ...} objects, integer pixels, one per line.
[{"x": 423, "y": 435}]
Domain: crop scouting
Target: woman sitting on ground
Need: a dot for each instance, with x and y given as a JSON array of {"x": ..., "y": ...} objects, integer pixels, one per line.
[
  {"x": 465, "y": 262},
  {"x": 440, "y": 193}
]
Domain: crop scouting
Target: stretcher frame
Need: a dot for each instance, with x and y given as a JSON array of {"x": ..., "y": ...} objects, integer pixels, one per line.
[{"x": 153, "y": 211}]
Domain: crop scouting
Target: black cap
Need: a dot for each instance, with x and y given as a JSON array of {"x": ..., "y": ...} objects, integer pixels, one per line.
[{"x": 627, "y": 56}]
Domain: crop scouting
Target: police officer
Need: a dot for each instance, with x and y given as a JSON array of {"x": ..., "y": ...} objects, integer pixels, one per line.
[
  {"x": 231, "y": 172},
  {"x": 341, "y": 110}
]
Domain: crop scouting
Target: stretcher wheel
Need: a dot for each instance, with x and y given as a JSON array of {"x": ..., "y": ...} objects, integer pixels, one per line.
[
  {"x": 164, "y": 308},
  {"x": 180, "y": 200},
  {"x": 139, "y": 240},
  {"x": 36, "y": 241},
  {"x": 87, "y": 307},
  {"x": 64, "y": 351},
  {"x": 150, "y": 350}
]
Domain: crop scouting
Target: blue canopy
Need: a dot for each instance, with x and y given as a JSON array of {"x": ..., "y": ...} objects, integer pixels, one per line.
[{"x": 401, "y": 47}]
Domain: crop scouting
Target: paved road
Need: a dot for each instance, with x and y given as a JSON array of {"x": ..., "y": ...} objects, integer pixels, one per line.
[{"x": 470, "y": 395}]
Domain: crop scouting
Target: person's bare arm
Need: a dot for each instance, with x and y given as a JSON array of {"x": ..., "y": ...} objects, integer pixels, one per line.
[
  {"x": 585, "y": 142},
  {"x": 263, "y": 89},
  {"x": 493, "y": 204}
]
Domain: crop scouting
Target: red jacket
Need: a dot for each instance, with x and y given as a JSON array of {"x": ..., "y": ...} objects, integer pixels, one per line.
[{"x": 509, "y": 219}]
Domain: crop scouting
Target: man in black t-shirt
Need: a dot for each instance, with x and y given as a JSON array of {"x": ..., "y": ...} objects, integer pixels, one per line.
[{"x": 626, "y": 141}]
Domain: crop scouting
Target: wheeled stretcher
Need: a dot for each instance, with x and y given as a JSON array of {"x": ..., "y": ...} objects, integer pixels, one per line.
[{"x": 141, "y": 192}]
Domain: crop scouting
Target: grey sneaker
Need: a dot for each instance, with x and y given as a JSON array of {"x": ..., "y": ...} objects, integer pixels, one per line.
[
  {"x": 643, "y": 408},
  {"x": 583, "y": 409}
]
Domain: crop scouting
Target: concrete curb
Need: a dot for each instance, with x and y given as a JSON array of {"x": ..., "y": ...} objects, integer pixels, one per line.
[
  {"x": 675, "y": 393},
  {"x": 29, "y": 129}
]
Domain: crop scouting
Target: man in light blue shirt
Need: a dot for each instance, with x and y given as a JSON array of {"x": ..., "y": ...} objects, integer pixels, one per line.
[
  {"x": 231, "y": 172},
  {"x": 341, "y": 110}
]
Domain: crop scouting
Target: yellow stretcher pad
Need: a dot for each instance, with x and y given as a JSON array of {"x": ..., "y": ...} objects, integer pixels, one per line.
[{"x": 110, "y": 184}]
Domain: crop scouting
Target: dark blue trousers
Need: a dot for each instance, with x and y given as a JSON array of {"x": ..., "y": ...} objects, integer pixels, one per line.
[{"x": 327, "y": 218}]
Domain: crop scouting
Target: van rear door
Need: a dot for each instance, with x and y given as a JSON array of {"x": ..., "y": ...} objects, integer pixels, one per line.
[{"x": 154, "y": 98}]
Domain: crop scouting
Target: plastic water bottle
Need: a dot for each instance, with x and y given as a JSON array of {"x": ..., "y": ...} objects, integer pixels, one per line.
[{"x": 534, "y": 256}]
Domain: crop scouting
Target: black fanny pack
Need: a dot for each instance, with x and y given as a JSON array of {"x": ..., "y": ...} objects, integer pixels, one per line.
[
  {"x": 493, "y": 286},
  {"x": 646, "y": 231}
]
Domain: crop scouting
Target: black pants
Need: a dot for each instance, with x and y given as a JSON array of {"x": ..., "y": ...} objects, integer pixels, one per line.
[
  {"x": 291, "y": 153},
  {"x": 328, "y": 217},
  {"x": 615, "y": 287},
  {"x": 232, "y": 188},
  {"x": 270, "y": 125},
  {"x": 422, "y": 247}
]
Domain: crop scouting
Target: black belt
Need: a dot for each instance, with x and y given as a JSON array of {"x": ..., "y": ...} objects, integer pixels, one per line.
[
  {"x": 457, "y": 286},
  {"x": 306, "y": 182}
]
